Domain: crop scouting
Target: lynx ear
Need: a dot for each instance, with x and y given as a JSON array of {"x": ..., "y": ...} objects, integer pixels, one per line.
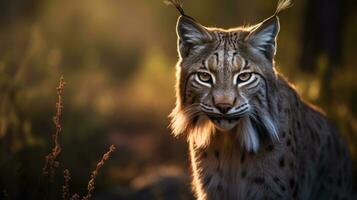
[
  {"x": 192, "y": 37},
  {"x": 263, "y": 37}
]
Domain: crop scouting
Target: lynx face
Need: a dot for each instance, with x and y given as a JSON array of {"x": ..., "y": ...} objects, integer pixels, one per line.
[
  {"x": 226, "y": 87},
  {"x": 223, "y": 80}
]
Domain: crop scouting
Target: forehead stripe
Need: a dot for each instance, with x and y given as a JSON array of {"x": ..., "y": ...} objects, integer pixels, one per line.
[
  {"x": 244, "y": 64},
  {"x": 217, "y": 58},
  {"x": 234, "y": 57}
]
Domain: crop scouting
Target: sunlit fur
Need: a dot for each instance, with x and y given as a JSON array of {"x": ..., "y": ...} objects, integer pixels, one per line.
[{"x": 201, "y": 131}]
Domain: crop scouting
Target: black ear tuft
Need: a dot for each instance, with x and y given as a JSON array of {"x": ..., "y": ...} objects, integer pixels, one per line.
[
  {"x": 282, "y": 6},
  {"x": 192, "y": 36},
  {"x": 263, "y": 37},
  {"x": 177, "y": 4}
]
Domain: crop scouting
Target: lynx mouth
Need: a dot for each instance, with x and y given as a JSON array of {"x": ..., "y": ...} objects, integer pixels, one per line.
[
  {"x": 225, "y": 123},
  {"x": 229, "y": 119}
]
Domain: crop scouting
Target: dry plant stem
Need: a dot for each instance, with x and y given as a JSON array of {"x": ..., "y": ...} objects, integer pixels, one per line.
[
  {"x": 94, "y": 173},
  {"x": 75, "y": 197},
  {"x": 51, "y": 162},
  {"x": 65, "y": 187}
]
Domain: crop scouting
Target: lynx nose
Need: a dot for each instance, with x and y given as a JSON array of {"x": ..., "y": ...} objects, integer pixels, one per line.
[
  {"x": 223, "y": 100},
  {"x": 223, "y": 107}
]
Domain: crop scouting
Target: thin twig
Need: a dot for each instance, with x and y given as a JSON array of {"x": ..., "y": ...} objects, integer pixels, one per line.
[
  {"x": 65, "y": 187},
  {"x": 51, "y": 162},
  {"x": 94, "y": 173}
]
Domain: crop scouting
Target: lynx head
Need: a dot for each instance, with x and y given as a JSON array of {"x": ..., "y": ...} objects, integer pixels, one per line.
[{"x": 226, "y": 81}]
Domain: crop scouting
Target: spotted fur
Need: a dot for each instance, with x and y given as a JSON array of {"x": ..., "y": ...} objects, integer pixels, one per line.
[{"x": 250, "y": 135}]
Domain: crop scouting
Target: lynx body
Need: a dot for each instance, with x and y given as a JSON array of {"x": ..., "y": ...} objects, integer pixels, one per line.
[{"x": 250, "y": 135}]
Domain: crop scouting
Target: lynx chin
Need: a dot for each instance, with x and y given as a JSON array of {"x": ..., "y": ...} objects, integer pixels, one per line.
[{"x": 250, "y": 135}]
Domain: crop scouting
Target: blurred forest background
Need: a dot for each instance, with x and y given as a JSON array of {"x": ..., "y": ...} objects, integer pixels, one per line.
[{"x": 118, "y": 58}]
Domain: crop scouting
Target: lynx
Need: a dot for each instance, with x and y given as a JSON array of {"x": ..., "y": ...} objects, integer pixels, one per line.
[{"x": 250, "y": 134}]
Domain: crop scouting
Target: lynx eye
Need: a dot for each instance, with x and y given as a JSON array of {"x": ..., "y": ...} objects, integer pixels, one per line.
[
  {"x": 244, "y": 77},
  {"x": 204, "y": 77}
]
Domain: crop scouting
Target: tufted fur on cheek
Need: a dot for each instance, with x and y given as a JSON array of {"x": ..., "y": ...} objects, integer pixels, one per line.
[
  {"x": 261, "y": 122},
  {"x": 252, "y": 129},
  {"x": 202, "y": 132},
  {"x": 188, "y": 121},
  {"x": 181, "y": 119}
]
